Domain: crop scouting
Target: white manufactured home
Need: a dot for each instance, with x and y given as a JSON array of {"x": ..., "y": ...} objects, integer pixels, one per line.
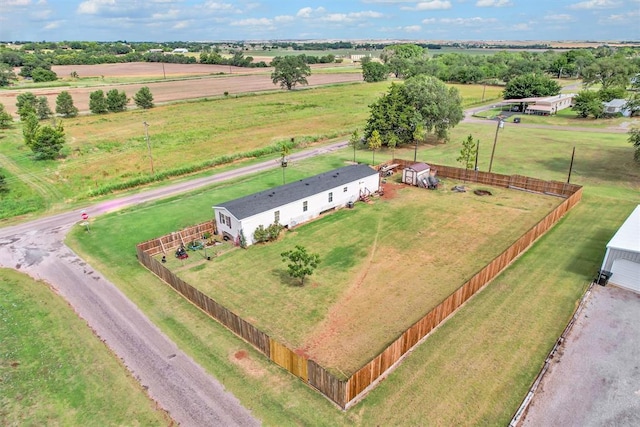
[{"x": 294, "y": 203}]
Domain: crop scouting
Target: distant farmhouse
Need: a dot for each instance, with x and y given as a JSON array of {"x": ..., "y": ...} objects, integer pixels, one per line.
[
  {"x": 617, "y": 106},
  {"x": 295, "y": 203},
  {"x": 543, "y": 106}
]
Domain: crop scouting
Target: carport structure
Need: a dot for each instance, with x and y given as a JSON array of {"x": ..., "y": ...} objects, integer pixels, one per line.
[{"x": 622, "y": 258}]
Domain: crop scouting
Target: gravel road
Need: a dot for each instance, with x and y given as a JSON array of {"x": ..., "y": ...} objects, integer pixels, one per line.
[{"x": 175, "y": 381}]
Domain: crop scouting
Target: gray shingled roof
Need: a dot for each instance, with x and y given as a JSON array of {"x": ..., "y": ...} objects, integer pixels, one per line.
[{"x": 253, "y": 204}]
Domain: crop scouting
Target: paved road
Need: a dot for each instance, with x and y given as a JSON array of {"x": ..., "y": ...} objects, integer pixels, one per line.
[{"x": 175, "y": 381}]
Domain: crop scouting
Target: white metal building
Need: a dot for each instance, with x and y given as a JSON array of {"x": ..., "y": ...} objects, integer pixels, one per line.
[
  {"x": 294, "y": 203},
  {"x": 622, "y": 258}
]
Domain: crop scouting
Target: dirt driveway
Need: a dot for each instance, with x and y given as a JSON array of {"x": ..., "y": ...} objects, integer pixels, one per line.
[
  {"x": 595, "y": 378},
  {"x": 204, "y": 85}
]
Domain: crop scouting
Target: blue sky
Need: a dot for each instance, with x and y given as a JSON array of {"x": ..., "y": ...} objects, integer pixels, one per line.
[{"x": 210, "y": 20}]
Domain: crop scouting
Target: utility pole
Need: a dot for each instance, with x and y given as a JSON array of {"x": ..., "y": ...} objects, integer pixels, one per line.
[
  {"x": 495, "y": 140},
  {"x": 477, "y": 152},
  {"x": 146, "y": 133}
]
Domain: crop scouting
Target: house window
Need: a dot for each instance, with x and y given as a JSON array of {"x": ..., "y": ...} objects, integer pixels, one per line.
[
  {"x": 344, "y": 189},
  {"x": 222, "y": 221},
  {"x": 330, "y": 197},
  {"x": 304, "y": 206},
  {"x": 229, "y": 221},
  {"x": 276, "y": 217}
]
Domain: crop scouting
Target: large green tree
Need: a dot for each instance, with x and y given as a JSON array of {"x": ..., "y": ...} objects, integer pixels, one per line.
[
  {"x": 64, "y": 105},
  {"x": 143, "y": 98},
  {"x": 588, "y": 103},
  {"x": 608, "y": 72},
  {"x": 439, "y": 106},
  {"x": 374, "y": 72},
  {"x": 7, "y": 76},
  {"x": 43, "y": 75},
  {"x": 393, "y": 114},
  {"x": 301, "y": 263},
  {"x": 289, "y": 71},
  {"x": 530, "y": 85}
]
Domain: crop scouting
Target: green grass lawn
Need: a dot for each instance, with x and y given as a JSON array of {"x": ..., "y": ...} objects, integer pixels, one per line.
[
  {"x": 54, "y": 371},
  {"x": 477, "y": 367},
  {"x": 407, "y": 253}
]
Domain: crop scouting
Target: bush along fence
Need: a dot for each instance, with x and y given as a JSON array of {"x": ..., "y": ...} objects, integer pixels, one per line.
[{"x": 346, "y": 393}]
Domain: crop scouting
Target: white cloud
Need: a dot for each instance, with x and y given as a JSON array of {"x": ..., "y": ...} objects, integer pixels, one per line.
[
  {"x": 308, "y": 12},
  {"x": 181, "y": 25},
  {"x": 366, "y": 14},
  {"x": 429, "y": 21},
  {"x": 214, "y": 6},
  {"x": 595, "y": 4},
  {"x": 14, "y": 3},
  {"x": 93, "y": 7},
  {"x": 169, "y": 14},
  {"x": 412, "y": 28},
  {"x": 53, "y": 25},
  {"x": 560, "y": 17},
  {"x": 252, "y": 22},
  {"x": 468, "y": 21},
  {"x": 283, "y": 19},
  {"x": 493, "y": 3},
  {"x": 623, "y": 18},
  {"x": 429, "y": 5}
]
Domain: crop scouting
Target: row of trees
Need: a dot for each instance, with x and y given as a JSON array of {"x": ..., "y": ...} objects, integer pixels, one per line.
[
  {"x": 606, "y": 67},
  {"x": 115, "y": 101}
]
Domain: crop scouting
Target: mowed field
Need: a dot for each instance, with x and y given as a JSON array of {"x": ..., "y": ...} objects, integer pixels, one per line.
[
  {"x": 232, "y": 80},
  {"x": 384, "y": 265}
]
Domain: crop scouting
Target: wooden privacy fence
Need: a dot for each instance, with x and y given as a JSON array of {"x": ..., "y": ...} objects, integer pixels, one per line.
[{"x": 346, "y": 392}]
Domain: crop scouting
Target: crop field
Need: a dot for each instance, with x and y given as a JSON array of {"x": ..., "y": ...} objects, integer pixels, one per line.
[{"x": 383, "y": 266}]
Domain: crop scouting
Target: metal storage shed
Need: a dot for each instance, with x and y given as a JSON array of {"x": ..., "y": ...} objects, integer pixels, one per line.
[
  {"x": 622, "y": 258},
  {"x": 411, "y": 174}
]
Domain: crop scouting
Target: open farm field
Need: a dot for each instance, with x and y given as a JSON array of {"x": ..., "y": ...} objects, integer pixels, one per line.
[
  {"x": 177, "y": 89},
  {"x": 383, "y": 267},
  {"x": 54, "y": 371},
  {"x": 111, "y": 149}
]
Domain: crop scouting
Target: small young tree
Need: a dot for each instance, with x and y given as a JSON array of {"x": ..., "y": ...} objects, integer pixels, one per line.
[
  {"x": 374, "y": 143},
  {"x": 116, "y": 101},
  {"x": 634, "y": 139},
  {"x": 98, "y": 102},
  {"x": 30, "y": 127},
  {"x": 354, "y": 141},
  {"x": 300, "y": 262},
  {"x": 143, "y": 98},
  {"x": 5, "y": 118},
  {"x": 468, "y": 152},
  {"x": 43, "y": 111},
  {"x": 64, "y": 105}
]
